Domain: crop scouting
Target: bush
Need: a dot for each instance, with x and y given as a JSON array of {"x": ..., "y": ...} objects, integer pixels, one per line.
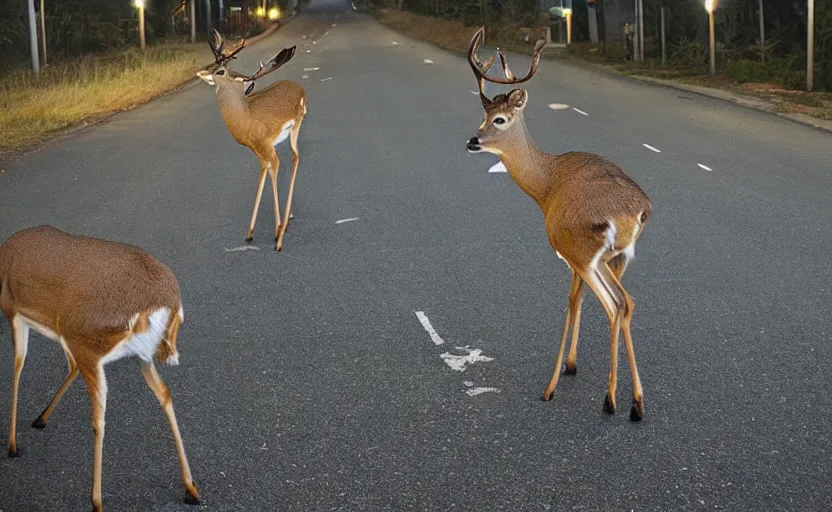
[{"x": 780, "y": 71}]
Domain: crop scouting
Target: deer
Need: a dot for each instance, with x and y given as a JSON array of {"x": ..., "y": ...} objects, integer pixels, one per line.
[
  {"x": 101, "y": 301},
  {"x": 259, "y": 121},
  {"x": 594, "y": 214}
]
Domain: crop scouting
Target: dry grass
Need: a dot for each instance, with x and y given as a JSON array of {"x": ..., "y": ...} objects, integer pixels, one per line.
[
  {"x": 66, "y": 94},
  {"x": 451, "y": 35}
]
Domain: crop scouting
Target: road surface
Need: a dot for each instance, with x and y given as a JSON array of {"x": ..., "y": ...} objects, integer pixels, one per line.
[{"x": 308, "y": 381}]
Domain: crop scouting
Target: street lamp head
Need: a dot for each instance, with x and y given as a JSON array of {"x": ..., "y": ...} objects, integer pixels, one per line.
[
  {"x": 274, "y": 13},
  {"x": 710, "y": 5},
  {"x": 139, "y": 4}
]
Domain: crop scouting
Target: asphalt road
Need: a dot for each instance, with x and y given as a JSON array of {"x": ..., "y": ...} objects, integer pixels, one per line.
[{"x": 307, "y": 381}]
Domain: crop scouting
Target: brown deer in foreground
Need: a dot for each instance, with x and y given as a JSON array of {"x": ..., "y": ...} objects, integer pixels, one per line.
[
  {"x": 260, "y": 121},
  {"x": 594, "y": 214},
  {"x": 101, "y": 301}
]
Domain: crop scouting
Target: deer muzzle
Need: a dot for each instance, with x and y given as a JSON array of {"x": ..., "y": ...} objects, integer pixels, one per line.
[{"x": 473, "y": 145}]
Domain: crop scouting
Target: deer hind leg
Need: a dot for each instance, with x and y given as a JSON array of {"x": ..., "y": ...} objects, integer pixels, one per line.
[
  {"x": 637, "y": 411},
  {"x": 293, "y": 142},
  {"x": 575, "y": 304},
  {"x": 40, "y": 422},
  {"x": 273, "y": 168},
  {"x": 574, "y": 298},
  {"x": 260, "y": 184},
  {"x": 20, "y": 337},
  {"x": 97, "y": 389},
  {"x": 614, "y": 304},
  {"x": 154, "y": 381}
]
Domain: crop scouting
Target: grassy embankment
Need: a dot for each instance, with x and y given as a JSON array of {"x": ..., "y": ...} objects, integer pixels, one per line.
[{"x": 745, "y": 77}]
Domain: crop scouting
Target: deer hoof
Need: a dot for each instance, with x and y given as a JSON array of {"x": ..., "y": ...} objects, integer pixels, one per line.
[
  {"x": 13, "y": 453},
  {"x": 39, "y": 423},
  {"x": 609, "y": 407},
  {"x": 637, "y": 412},
  {"x": 570, "y": 370}
]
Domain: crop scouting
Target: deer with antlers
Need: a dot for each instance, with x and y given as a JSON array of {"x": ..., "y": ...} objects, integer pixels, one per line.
[
  {"x": 260, "y": 121},
  {"x": 101, "y": 301},
  {"x": 594, "y": 214}
]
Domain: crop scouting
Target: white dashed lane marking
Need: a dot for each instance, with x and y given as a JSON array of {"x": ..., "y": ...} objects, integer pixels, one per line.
[
  {"x": 705, "y": 167},
  {"x": 558, "y": 106},
  {"x": 341, "y": 221},
  {"x": 423, "y": 319},
  {"x": 580, "y": 111},
  {"x": 651, "y": 148}
]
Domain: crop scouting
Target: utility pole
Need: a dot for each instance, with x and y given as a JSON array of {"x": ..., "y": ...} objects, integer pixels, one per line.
[
  {"x": 710, "y": 6},
  {"x": 208, "y": 16},
  {"x": 43, "y": 30},
  {"x": 641, "y": 29},
  {"x": 192, "y": 17},
  {"x": 33, "y": 38},
  {"x": 810, "y": 48},
  {"x": 140, "y": 5},
  {"x": 664, "y": 41},
  {"x": 762, "y": 33}
]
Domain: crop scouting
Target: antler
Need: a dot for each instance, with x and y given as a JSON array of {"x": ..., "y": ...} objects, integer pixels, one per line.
[
  {"x": 480, "y": 70},
  {"x": 477, "y": 66},
  {"x": 217, "y": 44},
  {"x": 278, "y": 60}
]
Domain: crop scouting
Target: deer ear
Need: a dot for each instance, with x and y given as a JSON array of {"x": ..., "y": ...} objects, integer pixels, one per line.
[{"x": 518, "y": 98}]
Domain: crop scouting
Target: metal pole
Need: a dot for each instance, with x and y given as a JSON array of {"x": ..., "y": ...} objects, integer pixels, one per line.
[
  {"x": 664, "y": 43},
  {"x": 193, "y": 20},
  {"x": 640, "y": 31},
  {"x": 569, "y": 28},
  {"x": 208, "y": 16},
  {"x": 43, "y": 30},
  {"x": 141, "y": 25},
  {"x": 635, "y": 32},
  {"x": 33, "y": 37},
  {"x": 762, "y": 34},
  {"x": 810, "y": 48},
  {"x": 219, "y": 18},
  {"x": 713, "y": 43}
]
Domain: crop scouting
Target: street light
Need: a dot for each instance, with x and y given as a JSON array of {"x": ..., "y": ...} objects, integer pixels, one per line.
[
  {"x": 810, "y": 47},
  {"x": 274, "y": 13},
  {"x": 568, "y": 13},
  {"x": 140, "y": 7},
  {"x": 710, "y": 6}
]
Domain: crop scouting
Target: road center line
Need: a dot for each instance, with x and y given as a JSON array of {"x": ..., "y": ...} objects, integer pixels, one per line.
[
  {"x": 341, "y": 221},
  {"x": 651, "y": 148},
  {"x": 325, "y": 79},
  {"x": 705, "y": 167},
  {"x": 429, "y": 328},
  {"x": 428, "y": 61},
  {"x": 243, "y": 248},
  {"x": 580, "y": 111}
]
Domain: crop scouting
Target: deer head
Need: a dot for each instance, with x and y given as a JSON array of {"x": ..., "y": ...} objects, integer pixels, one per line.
[
  {"x": 503, "y": 124},
  {"x": 225, "y": 78}
]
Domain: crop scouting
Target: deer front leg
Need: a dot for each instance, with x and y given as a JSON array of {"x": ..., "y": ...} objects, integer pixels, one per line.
[
  {"x": 275, "y": 163},
  {"x": 260, "y": 185},
  {"x": 574, "y": 290}
]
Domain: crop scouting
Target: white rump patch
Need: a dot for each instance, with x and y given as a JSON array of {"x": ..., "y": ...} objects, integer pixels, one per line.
[
  {"x": 144, "y": 344},
  {"x": 285, "y": 130},
  {"x": 458, "y": 362},
  {"x": 610, "y": 235}
]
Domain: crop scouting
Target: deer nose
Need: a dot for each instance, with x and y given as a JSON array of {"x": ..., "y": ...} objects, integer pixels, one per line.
[{"x": 473, "y": 145}]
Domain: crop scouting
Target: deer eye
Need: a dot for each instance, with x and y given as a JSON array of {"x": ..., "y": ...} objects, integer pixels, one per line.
[
  {"x": 499, "y": 120},
  {"x": 220, "y": 72}
]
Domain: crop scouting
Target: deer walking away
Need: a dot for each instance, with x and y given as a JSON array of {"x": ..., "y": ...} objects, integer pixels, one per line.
[
  {"x": 101, "y": 301},
  {"x": 594, "y": 214}
]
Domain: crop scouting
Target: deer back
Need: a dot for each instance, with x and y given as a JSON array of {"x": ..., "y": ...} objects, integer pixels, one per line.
[{"x": 80, "y": 288}]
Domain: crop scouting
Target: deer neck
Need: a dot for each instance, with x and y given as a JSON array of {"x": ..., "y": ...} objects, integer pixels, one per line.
[
  {"x": 526, "y": 164},
  {"x": 234, "y": 109}
]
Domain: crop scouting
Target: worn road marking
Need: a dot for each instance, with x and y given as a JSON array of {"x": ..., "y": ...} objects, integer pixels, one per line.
[
  {"x": 308, "y": 51},
  {"x": 558, "y": 106},
  {"x": 341, "y": 221},
  {"x": 498, "y": 167},
  {"x": 428, "y": 61},
  {"x": 579, "y": 111},
  {"x": 333, "y": 24},
  {"x": 311, "y": 69},
  {"x": 705, "y": 167},
  {"x": 243, "y": 248},
  {"x": 478, "y": 390},
  {"x": 325, "y": 79},
  {"x": 395, "y": 43},
  {"x": 474, "y": 92},
  {"x": 305, "y": 77},
  {"x": 651, "y": 148},
  {"x": 314, "y": 42},
  {"x": 458, "y": 362},
  {"x": 426, "y": 324}
]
